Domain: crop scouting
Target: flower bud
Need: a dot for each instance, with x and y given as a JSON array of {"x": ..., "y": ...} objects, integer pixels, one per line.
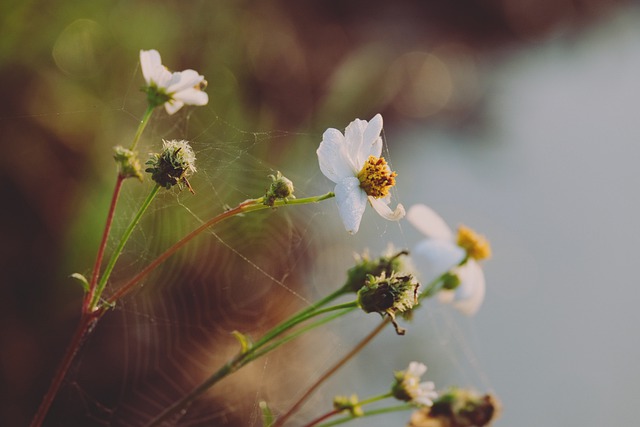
[
  {"x": 281, "y": 188},
  {"x": 128, "y": 163},
  {"x": 348, "y": 403}
]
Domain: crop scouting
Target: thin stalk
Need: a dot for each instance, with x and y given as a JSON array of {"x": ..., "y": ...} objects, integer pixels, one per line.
[
  {"x": 87, "y": 322},
  {"x": 302, "y": 316},
  {"x": 370, "y": 413},
  {"x": 301, "y": 331},
  {"x": 86, "y": 304},
  {"x": 141, "y": 126},
  {"x": 339, "y": 364},
  {"x": 123, "y": 240},
  {"x": 246, "y": 206},
  {"x": 245, "y": 358},
  {"x": 337, "y": 411},
  {"x": 323, "y": 417},
  {"x": 429, "y": 291}
]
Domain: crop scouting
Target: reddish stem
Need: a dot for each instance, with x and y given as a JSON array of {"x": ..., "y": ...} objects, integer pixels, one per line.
[
  {"x": 323, "y": 417},
  {"x": 127, "y": 287},
  {"x": 86, "y": 305},
  {"x": 86, "y": 325},
  {"x": 281, "y": 420}
]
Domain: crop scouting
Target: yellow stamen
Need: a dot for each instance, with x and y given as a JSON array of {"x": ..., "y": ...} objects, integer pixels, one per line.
[
  {"x": 476, "y": 245},
  {"x": 376, "y": 178}
]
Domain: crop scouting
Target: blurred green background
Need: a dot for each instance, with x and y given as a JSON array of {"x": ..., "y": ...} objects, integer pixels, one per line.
[{"x": 288, "y": 69}]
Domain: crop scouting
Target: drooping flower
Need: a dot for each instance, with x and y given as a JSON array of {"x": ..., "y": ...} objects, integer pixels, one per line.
[
  {"x": 441, "y": 252},
  {"x": 353, "y": 162},
  {"x": 397, "y": 293},
  {"x": 408, "y": 388},
  {"x": 174, "y": 90}
]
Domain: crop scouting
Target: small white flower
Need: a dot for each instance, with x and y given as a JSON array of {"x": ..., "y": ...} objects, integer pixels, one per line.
[
  {"x": 174, "y": 90},
  {"x": 440, "y": 253},
  {"x": 409, "y": 388},
  {"x": 352, "y": 161}
]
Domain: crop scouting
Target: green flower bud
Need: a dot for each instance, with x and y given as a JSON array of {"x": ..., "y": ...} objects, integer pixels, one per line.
[
  {"x": 173, "y": 165},
  {"x": 128, "y": 163},
  {"x": 281, "y": 188},
  {"x": 450, "y": 281},
  {"x": 348, "y": 403}
]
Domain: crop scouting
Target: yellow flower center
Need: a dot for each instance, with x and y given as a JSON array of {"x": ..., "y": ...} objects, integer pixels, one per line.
[
  {"x": 376, "y": 178},
  {"x": 477, "y": 246}
]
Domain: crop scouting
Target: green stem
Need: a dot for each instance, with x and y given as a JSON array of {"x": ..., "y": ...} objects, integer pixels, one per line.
[
  {"x": 370, "y": 413},
  {"x": 141, "y": 126},
  {"x": 337, "y": 411},
  {"x": 429, "y": 291},
  {"x": 347, "y": 308},
  {"x": 252, "y": 354},
  {"x": 118, "y": 251},
  {"x": 306, "y": 313},
  {"x": 246, "y": 206}
]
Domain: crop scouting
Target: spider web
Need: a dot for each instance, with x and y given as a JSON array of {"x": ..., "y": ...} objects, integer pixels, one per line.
[{"x": 246, "y": 274}]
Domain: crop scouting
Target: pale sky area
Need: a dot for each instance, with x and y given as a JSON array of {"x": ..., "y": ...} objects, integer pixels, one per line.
[{"x": 552, "y": 181}]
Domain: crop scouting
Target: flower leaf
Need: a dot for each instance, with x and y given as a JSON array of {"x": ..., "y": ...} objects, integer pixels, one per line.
[{"x": 83, "y": 281}]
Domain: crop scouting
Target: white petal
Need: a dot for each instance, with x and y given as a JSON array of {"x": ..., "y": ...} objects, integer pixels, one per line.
[
  {"x": 372, "y": 143},
  {"x": 173, "y": 106},
  {"x": 351, "y": 203},
  {"x": 333, "y": 161},
  {"x": 382, "y": 207},
  {"x": 469, "y": 295},
  {"x": 429, "y": 223},
  {"x": 185, "y": 79},
  {"x": 416, "y": 369},
  {"x": 353, "y": 134},
  {"x": 432, "y": 258},
  {"x": 149, "y": 61},
  {"x": 192, "y": 96}
]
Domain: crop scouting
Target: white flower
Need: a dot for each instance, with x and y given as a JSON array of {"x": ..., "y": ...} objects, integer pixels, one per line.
[
  {"x": 352, "y": 161},
  {"x": 174, "y": 90},
  {"x": 409, "y": 388},
  {"x": 440, "y": 253}
]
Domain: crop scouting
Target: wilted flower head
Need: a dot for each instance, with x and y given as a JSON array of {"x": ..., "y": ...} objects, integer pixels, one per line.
[
  {"x": 396, "y": 293},
  {"x": 389, "y": 263},
  {"x": 174, "y": 90},
  {"x": 458, "y": 408},
  {"x": 441, "y": 252},
  {"x": 407, "y": 386},
  {"x": 173, "y": 165},
  {"x": 353, "y": 162}
]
